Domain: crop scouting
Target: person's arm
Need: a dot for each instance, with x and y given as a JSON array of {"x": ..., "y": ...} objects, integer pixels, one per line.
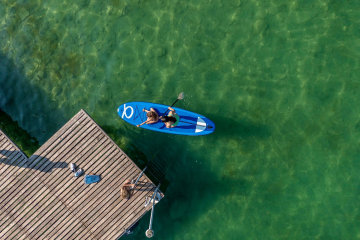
[
  {"x": 142, "y": 123},
  {"x": 172, "y": 111},
  {"x": 129, "y": 185},
  {"x": 150, "y": 122}
]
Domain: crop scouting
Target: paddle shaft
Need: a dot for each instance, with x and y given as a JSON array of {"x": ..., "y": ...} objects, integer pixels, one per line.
[
  {"x": 171, "y": 106},
  {"x": 174, "y": 102}
]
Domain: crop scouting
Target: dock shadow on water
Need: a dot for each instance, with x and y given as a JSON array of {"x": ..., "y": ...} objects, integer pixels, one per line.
[
  {"x": 43, "y": 165},
  {"x": 27, "y": 143},
  {"x": 27, "y": 103}
]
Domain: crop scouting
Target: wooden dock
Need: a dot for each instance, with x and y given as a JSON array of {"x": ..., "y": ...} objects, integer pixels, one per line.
[{"x": 41, "y": 199}]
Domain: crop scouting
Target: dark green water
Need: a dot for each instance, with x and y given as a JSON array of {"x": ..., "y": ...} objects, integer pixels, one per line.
[
  {"x": 19, "y": 136},
  {"x": 279, "y": 78}
]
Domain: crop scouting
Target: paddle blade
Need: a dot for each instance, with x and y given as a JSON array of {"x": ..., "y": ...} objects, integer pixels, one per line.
[{"x": 181, "y": 96}]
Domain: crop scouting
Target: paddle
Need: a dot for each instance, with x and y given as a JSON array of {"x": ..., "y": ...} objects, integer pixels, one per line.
[{"x": 180, "y": 97}]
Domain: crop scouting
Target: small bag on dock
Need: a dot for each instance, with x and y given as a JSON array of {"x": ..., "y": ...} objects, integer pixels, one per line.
[{"x": 92, "y": 179}]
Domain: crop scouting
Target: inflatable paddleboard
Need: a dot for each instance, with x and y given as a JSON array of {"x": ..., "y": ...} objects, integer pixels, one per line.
[{"x": 189, "y": 123}]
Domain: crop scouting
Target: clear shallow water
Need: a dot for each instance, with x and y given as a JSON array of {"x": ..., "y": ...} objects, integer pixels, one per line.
[{"x": 279, "y": 79}]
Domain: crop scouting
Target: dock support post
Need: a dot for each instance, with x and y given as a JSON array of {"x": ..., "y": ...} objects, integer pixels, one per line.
[{"x": 150, "y": 233}]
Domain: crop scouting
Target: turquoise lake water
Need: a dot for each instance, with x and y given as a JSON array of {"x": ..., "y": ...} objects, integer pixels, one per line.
[{"x": 280, "y": 79}]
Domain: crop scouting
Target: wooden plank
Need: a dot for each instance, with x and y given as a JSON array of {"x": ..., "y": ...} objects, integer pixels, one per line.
[
  {"x": 12, "y": 215},
  {"x": 66, "y": 189},
  {"x": 5, "y": 145},
  {"x": 4, "y": 229},
  {"x": 132, "y": 214},
  {"x": 57, "y": 146},
  {"x": 23, "y": 164},
  {"x": 34, "y": 179},
  {"x": 97, "y": 211},
  {"x": 116, "y": 215},
  {"x": 40, "y": 198},
  {"x": 25, "y": 209},
  {"x": 53, "y": 190},
  {"x": 62, "y": 131},
  {"x": 7, "y": 150},
  {"x": 7, "y": 187},
  {"x": 9, "y": 165},
  {"x": 66, "y": 151},
  {"x": 114, "y": 203},
  {"x": 2, "y": 136},
  {"x": 33, "y": 176},
  {"x": 63, "y": 144},
  {"x": 12, "y": 154},
  {"x": 71, "y": 194},
  {"x": 73, "y": 199},
  {"x": 12, "y": 143},
  {"x": 10, "y": 174}
]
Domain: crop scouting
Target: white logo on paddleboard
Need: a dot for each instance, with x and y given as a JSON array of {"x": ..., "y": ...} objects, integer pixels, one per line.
[
  {"x": 200, "y": 125},
  {"x": 125, "y": 111}
]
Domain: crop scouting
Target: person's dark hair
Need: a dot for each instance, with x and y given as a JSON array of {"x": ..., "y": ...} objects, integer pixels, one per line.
[
  {"x": 151, "y": 114},
  {"x": 168, "y": 119}
]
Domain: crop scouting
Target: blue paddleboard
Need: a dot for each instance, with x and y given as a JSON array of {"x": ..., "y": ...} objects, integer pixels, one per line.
[{"x": 189, "y": 123}]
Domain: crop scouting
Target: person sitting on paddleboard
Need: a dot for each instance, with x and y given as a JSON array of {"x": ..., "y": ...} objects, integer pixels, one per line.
[
  {"x": 152, "y": 117},
  {"x": 171, "y": 120}
]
